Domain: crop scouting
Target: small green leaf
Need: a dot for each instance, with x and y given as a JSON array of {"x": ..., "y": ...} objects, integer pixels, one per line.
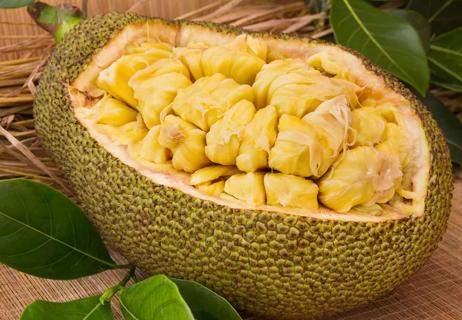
[
  {"x": 449, "y": 124},
  {"x": 204, "y": 303},
  {"x": 457, "y": 87},
  {"x": 43, "y": 233},
  {"x": 11, "y": 4},
  {"x": 156, "y": 298},
  {"x": 445, "y": 58},
  {"x": 419, "y": 23},
  {"x": 389, "y": 41},
  {"x": 89, "y": 308},
  {"x": 443, "y": 15}
]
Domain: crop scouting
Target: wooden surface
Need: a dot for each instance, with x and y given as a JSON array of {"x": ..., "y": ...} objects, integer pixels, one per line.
[{"x": 433, "y": 293}]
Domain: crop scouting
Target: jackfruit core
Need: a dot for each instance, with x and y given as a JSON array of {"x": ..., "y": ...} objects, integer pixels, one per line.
[{"x": 286, "y": 133}]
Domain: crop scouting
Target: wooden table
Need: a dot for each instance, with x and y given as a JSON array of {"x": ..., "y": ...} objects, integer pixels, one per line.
[{"x": 435, "y": 292}]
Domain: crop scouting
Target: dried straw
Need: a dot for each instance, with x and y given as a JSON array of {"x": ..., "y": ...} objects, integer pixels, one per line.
[{"x": 21, "y": 154}]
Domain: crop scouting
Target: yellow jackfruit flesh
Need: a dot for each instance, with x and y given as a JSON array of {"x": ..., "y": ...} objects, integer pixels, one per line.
[
  {"x": 224, "y": 115},
  {"x": 211, "y": 173},
  {"x": 362, "y": 176},
  {"x": 114, "y": 79},
  {"x": 290, "y": 191},
  {"x": 248, "y": 187},
  {"x": 185, "y": 141},
  {"x": 259, "y": 137},
  {"x": 308, "y": 147},
  {"x": 239, "y": 60},
  {"x": 295, "y": 88},
  {"x": 225, "y": 135},
  {"x": 156, "y": 86},
  {"x": 368, "y": 126},
  {"x": 206, "y": 100},
  {"x": 113, "y": 112}
]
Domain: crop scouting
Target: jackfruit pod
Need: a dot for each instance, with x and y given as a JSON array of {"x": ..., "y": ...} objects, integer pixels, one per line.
[
  {"x": 259, "y": 136},
  {"x": 290, "y": 191},
  {"x": 271, "y": 72},
  {"x": 156, "y": 86},
  {"x": 185, "y": 141},
  {"x": 225, "y": 135},
  {"x": 114, "y": 79},
  {"x": 247, "y": 187},
  {"x": 362, "y": 176},
  {"x": 206, "y": 100},
  {"x": 397, "y": 140},
  {"x": 331, "y": 121},
  {"x": 367, "y": 126},
  {"x": 150, "y": 47},
  {"x": 127, "y": 134},
  {"x": 191, "y": 58},
  {"x": 211, "y": 173},
  {"x": 151, "y": 150},
  {"x": 236, "y": 60},
  {"x": 213, "y": 189},
  {"x": 299, "y": 98},
  {"x": 113, "y": 112},
  {"x": 298, "y": 149},
  {"x": 330, "y": 63}
]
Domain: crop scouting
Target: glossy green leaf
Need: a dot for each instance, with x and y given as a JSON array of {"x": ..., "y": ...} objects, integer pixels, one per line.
[
  {"x": 419, "y": 23},
  {"x": 389, "y": 41},
  {"x": 443, "y": 15},
  {"x": 156, "y": 298},
  {"x": 449, "y": 124},
  {"x": 11, "y": 4},
  {"x": 43, "y": 233},
  {"x": 204, "y": 303},
  {"x": 457, "y": 87},
  {"x": 89, "y": 308},
  {"x": 445, "y": 58}
]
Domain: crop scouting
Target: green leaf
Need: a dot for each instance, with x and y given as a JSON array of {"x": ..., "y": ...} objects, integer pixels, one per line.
[
  {"x": 156, "y": 298},
  {"x": 445, "y": 58},
  {"x": 389, "y": 41},
  {"x": 418, "y": 21},
  {"x": 449, "y": 124},
  {"x": 204, "y": 303},
  {"x": 457, "y": 87},
  {"x": 43, "y": 233},
  {"x": 89, "y": 308},
  {"x": 443, "y": 15},
  {"x": 11, "y": 4}
]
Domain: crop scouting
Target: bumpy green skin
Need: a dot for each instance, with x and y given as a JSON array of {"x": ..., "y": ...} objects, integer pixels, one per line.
[{"x": 268, "y": 264}]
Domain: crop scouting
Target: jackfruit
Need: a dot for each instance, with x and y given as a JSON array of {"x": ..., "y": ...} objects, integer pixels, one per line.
[
  {"x": 259, "y": 137},
  {"x": 150, "y": 149},
  {"x": 302, "y": 263},
  {"x": 206, "y": 100},
  {"x": 248, "y": 187},
  {"x": 185, "y": 141},
  {"x": 114, "y": 79},
  {"x": 156, "y": 86},
  {"x": 290, "y": 191},
  {"x": 368, "y": 126},
  {"x": 127, "y": 134},
  {"x": 225, "y": 135},
  {"x": 211, "y": 173}
]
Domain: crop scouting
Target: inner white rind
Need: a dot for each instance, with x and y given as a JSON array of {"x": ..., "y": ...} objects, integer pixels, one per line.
[{"x": 85, "y": 86}]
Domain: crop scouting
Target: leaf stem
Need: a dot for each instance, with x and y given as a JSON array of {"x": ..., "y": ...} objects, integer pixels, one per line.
[{"x": 109, "y": 293}]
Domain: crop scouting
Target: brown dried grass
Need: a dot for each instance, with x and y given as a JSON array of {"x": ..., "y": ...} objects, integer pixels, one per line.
[{"x": 21, "y": 154}]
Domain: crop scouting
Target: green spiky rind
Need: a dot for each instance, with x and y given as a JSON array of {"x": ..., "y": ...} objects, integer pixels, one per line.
[{"x": 274, "y": 265}]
